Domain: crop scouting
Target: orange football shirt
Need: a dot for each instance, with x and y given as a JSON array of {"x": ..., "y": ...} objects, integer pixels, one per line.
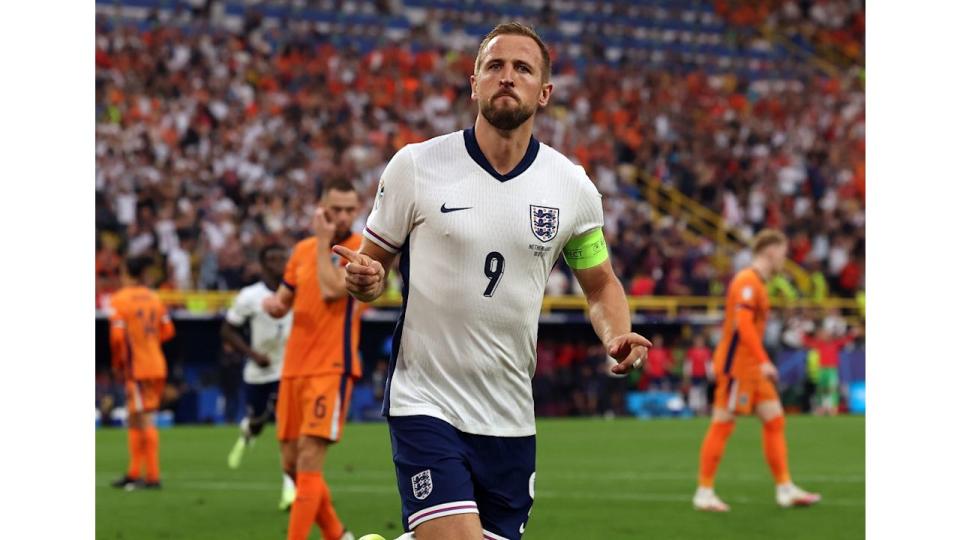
[
  {"x": 740, "y": 351},
  {"x": 139, "y": 324},
  {"x": 325, "y": 335}
]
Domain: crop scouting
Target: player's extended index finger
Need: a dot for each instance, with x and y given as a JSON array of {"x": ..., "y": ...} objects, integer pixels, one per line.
[
  {"x": 348, "y": 254},
  {"x": 640, "y": 340}
]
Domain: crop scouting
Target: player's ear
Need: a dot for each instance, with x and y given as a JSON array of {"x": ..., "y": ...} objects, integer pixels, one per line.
[
  {"x": 546, "y": 90},
  {"x": 473, "y": 87}
]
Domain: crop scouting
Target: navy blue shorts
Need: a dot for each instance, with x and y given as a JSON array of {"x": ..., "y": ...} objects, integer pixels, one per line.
[
  {"x": 442, "y": 471},
  {"x": 261, "y": 399}
]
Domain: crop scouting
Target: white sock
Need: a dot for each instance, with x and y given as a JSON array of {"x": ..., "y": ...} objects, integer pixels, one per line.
[
  {"x": 288, "y": 482},
  {"x": 704, "y": 490},
  {"x": 784, "y": 487}
]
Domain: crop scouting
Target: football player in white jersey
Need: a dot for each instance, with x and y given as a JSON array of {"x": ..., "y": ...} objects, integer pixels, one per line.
[
  {"x": 264, "y": 353},
  {"x": 479, "y": 217}
]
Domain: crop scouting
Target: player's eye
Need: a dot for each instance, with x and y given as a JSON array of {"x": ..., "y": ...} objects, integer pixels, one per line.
[{"x": 523, "y": 68}]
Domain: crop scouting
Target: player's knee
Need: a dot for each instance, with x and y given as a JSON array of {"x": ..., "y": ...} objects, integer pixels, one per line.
[
  {"x": 310, "y": 453},
  {"x": 775, "y": 424},
  {"x": 256, "y": 426},
  {"x": 135, "y": 421},
  {"x": 723, "y": 416}
]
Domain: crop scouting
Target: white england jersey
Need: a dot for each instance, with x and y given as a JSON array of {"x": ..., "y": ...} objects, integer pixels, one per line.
[
  {"x": 267, "y": 335},
  {"x": 476, "y": 250}
]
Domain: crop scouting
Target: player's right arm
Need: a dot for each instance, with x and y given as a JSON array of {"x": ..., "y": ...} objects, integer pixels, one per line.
[
  {"x": 393, "y": 216},
  {"x": 366, "y": 274}
]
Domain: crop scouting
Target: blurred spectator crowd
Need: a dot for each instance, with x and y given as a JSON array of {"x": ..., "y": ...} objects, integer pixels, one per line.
[{"x": 213, "y": 138}]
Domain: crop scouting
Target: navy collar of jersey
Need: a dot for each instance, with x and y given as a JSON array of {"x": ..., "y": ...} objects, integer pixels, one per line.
[{"x": 470, "y": 140}]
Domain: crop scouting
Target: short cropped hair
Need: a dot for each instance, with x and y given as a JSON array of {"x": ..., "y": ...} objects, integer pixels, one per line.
[
  {"x": 338, "y": 184},
  {"x": 767, "y": 238},
  {"x": 265, "y": 250},
  {"x": 136, "y": 266},
  {"x": 515, "y": 29}
]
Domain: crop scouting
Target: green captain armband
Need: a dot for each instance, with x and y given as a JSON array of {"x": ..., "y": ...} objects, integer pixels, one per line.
[{"x": 586, "y": 251}]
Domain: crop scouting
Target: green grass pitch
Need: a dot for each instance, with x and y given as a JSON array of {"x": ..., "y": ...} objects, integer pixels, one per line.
[{"x": 596, "y": 479}]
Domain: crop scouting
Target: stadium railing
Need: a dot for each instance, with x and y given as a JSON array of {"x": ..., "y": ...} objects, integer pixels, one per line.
[{"x": 701, "y": 220}]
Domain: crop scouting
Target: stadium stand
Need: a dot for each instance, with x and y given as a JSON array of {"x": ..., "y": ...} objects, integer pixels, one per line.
[{"x": 700, "y": 122}]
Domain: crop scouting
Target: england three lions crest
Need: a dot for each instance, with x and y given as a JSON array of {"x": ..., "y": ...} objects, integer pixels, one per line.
[
  {"x": 545, "y": 222},
  {"x": 422, "y": 484}
]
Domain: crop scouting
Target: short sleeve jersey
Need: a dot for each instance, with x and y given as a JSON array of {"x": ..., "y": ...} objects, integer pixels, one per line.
[
  {"x": 325, "y": 334},
  {"x": 267, "y": 335},
  {"x": 476, "y": 248},
  {"x": 139, "y": 324},
  {"x": 732, "y": 356}
]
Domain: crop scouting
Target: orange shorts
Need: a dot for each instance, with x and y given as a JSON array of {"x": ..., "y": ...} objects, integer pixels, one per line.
[
  {"x": 314, "y": 405},
  {"x": 740, "y": 395},
  {"x": 145, "y": 395}
]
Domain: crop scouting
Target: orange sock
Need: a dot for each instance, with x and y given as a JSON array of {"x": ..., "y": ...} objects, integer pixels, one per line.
[
  {"x": 152, "y": 453},
  {"x": 775, "y": 449},
  {"x": 135, "y": 446},
  {"x": 326, "y": 516},
  {"x": 310, "y": 494},
  {"x": 711, "y": 451}
]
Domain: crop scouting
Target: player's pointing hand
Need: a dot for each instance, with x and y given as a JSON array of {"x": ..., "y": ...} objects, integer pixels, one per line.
[
  {"x": 629, "y": 350},
  {"x": 365, "y": 276}
]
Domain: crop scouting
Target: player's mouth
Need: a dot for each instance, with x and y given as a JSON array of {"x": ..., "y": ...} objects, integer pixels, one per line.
[{"x": 499, "y": 95}]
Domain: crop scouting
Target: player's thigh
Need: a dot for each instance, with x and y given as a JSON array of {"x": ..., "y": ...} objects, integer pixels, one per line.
[
  {"x": 324, "y": 402},
  {"x": 730, "y": 398},
  {"x": 455, "y": 527},
  {"x": 433, "y": 476},
  {"x": 830, "y": 378},
  {"x": 311, "y": 453},
  {"x": 768, "y": 404},
  {"x": 261, "y": 400},
  {"x": 504, "y": 473},
  {"x": 288, "y": 410},
  {"x": 144, "y": 396}
]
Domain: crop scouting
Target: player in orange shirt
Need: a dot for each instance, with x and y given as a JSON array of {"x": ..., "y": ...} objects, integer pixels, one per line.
[
  {"x": 746, "y": 377},
  {"x": 139, "y": 324},
  {"x": 321, "y": 361}
]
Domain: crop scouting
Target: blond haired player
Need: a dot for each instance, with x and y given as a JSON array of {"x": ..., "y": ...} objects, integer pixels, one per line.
[{"x": 746, "y": 379}]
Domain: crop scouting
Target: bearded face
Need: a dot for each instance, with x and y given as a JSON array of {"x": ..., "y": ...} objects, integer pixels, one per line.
[
  {"x": 505, "y": 111},
  {"x": 509, "y": 85}
]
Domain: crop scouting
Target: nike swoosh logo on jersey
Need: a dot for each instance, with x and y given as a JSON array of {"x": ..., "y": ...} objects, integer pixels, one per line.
[{"x": 445, "y": 210}]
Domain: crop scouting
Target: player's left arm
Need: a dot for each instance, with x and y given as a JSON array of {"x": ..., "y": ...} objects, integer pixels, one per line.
[{"x": 609, "y": 313}]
